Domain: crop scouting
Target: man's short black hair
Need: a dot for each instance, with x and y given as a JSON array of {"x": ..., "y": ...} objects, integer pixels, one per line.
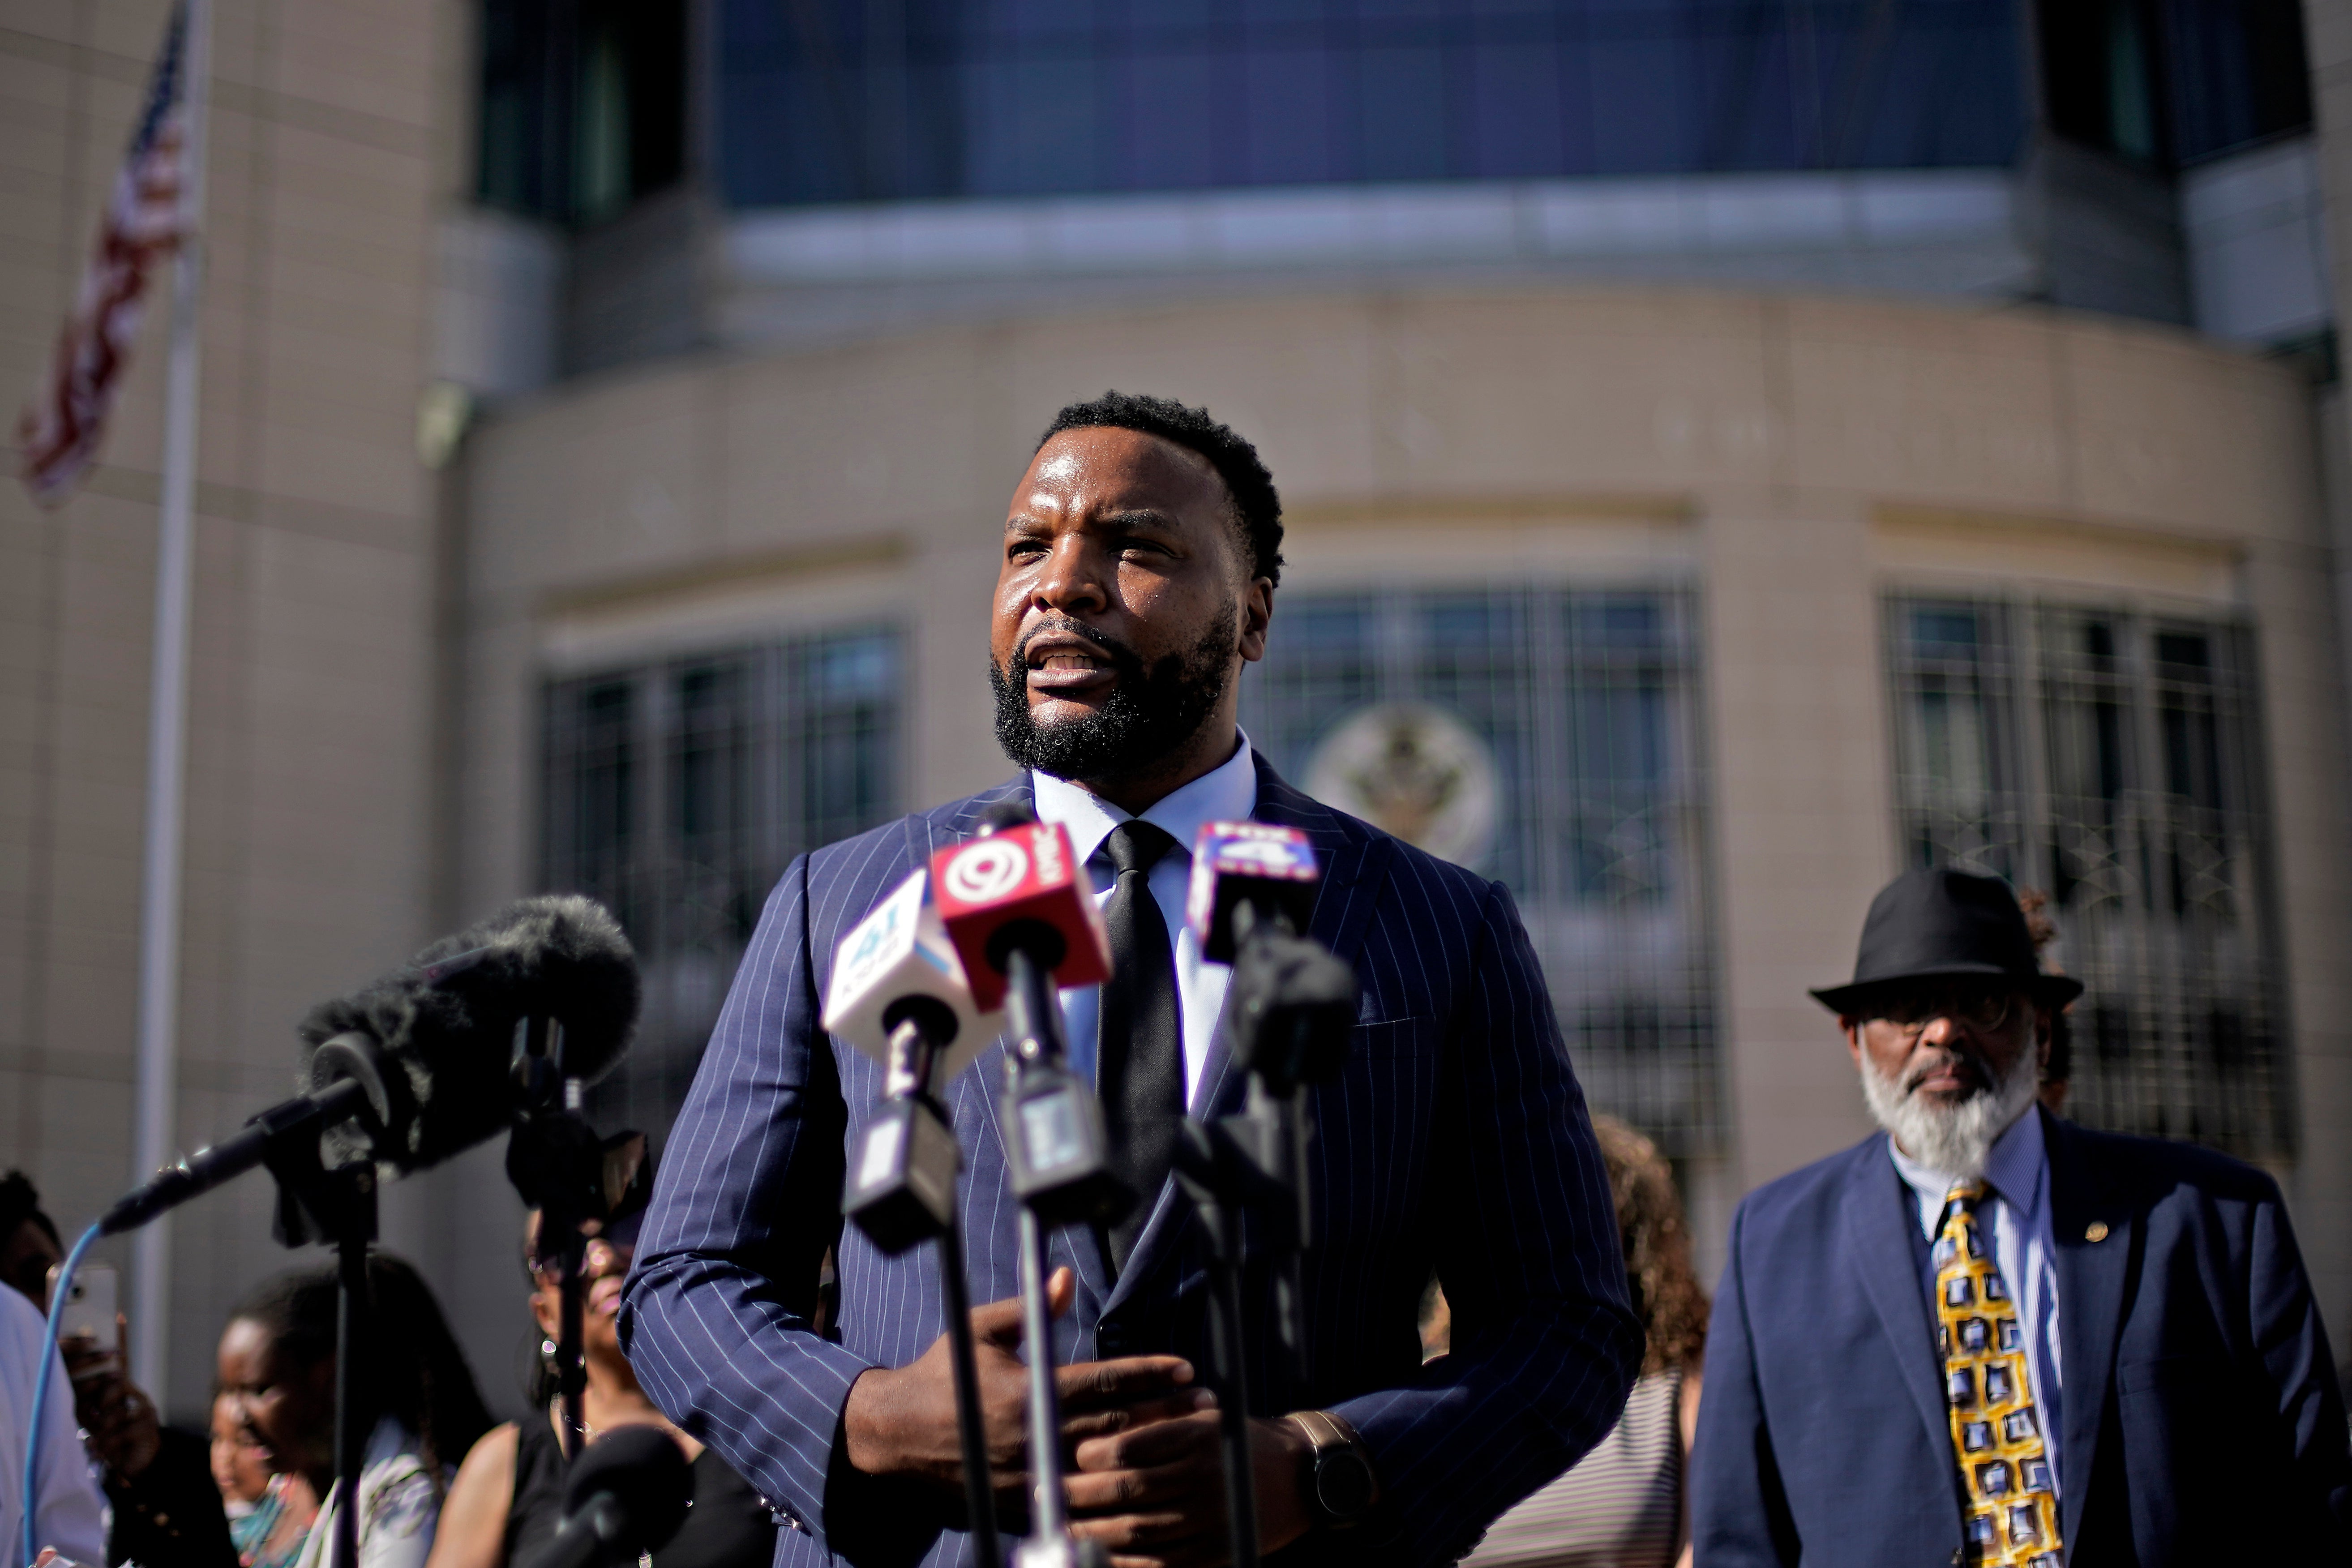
[{"x": 1256, "y": 505}]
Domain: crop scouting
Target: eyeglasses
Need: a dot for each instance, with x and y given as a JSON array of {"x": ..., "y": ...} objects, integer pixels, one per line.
[
  {"x": 544, "y": 1262},
  {"x": 1982, "y": 1009}
]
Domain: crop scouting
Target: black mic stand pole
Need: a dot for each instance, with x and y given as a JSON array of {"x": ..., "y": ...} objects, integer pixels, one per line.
[
  {"x": 902, "y": 1190},
  {"x": 1290, "y": 1012},
  {"x": 1062, "y": 1174},
  {"x": 1214, "y": 1173},
  {"x": 338, "y": 1206}
]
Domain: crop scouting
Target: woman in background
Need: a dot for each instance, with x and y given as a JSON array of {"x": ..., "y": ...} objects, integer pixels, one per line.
[
  {"x": 419, "y": 1404},
  {"x": 269, "y": 1515},
  {"x": 509, "y": 1496},
  {"x": 1623, "y": 1505}
]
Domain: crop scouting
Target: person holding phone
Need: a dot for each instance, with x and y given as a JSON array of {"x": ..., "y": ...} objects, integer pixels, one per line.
[{"x": 158, "y": 1479}]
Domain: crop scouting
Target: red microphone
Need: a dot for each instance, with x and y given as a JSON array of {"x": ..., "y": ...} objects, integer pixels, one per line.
[
  {"x": 1019, "y": 887},
  {"x": 1023, "y": 917}
]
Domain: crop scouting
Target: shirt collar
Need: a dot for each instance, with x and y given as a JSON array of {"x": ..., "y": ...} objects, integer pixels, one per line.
[
  {"x": 1227, "y": 792},
  {"x": 2013, "y": 1169}
]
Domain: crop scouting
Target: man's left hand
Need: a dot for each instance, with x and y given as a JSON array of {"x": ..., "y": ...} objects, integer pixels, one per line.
[{"x": 1155, "y": 1496}]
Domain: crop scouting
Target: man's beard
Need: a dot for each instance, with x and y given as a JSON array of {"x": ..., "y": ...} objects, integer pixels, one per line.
[
  {"x": 1955, "y": 1140},
  {"x": 1150, "y": 712}
]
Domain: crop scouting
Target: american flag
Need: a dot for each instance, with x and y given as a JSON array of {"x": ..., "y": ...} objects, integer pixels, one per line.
[{"x": 61, "y": 431}]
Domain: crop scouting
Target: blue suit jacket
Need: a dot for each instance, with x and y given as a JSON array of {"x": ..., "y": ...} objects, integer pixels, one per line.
[
  {"x": 2202, "y": 1422},
  {"x": 1456, "y": 1139}
]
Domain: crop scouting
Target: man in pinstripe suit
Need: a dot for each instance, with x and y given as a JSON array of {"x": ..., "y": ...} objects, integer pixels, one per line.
[{"x": 1137, "y": 576}]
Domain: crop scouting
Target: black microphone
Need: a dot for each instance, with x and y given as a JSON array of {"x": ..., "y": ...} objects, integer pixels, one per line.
[
  {"x": 420, "y": 1065},
  {"x": 626, "y": 1495}
]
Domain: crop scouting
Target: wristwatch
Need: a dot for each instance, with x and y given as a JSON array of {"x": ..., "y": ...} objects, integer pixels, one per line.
[{"x": 1340, "y": 1479}]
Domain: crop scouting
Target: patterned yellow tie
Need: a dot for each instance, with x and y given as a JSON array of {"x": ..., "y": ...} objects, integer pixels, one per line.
[{"x": 2013, "y": 1518}]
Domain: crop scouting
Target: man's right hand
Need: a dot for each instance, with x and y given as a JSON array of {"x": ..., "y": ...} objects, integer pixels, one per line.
[{"x": 901, "y": 1421}]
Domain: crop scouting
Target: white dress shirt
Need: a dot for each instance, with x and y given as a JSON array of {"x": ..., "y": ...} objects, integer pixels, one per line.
[
  {"x": 1227, "y": 794},
  {"x": 69, "y": 1511},
  {"x": 2018, "y": 1171}
]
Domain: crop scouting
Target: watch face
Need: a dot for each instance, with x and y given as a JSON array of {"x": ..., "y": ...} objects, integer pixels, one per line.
[{"x": 1343, "y": 1483}]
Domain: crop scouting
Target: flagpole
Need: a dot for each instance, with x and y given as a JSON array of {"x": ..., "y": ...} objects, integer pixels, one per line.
[{"x": 167, "y": 728}]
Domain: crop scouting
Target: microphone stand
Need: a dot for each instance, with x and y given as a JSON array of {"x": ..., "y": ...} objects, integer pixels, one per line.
[
  {"x": 1290, "y": 1012},
  {"x": 338, "y": 1206},
  {"x": 1062, "y": 1174},
  {"x": 902, "y": 1190},
  {"x": 556, "y": 1164}
]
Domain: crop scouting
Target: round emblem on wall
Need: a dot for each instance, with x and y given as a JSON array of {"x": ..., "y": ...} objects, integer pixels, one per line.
[{"x": 1417, "y": 772}]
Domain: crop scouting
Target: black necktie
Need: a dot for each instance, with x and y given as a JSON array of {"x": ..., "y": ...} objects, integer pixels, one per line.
[{"x": 1140, "y": 1059}]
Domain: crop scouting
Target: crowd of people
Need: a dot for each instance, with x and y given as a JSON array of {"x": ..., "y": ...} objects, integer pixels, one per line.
[
  {"x": 441, "y": 1486},
  {"x": 1984, "y": 1334}
]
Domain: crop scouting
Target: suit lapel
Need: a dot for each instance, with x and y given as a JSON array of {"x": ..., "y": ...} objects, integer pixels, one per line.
[
  {"x": 1882, "y": 1254},
  {"x": 2092, "y": 1276},
  {"x": 1354, "y": 862}
]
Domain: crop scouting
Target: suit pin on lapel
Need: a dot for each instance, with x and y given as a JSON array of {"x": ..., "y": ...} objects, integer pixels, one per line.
[{"x": 2097, "y": 1231}]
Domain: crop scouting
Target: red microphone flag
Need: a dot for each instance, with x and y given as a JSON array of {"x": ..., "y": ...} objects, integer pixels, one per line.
[{"x": 1023, "y": 873}]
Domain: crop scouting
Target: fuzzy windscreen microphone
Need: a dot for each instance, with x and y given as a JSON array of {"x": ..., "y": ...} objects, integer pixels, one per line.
[{"x": 446, "y": 1021}]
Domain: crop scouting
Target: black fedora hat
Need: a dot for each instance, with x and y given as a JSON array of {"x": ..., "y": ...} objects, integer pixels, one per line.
[{"x": 1944, "y": 924}]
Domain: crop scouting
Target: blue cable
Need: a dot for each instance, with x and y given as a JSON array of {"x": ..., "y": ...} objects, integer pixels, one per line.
[{"x": 57, "y": 1297}]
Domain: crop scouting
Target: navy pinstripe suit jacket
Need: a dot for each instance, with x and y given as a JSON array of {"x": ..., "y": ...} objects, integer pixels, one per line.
[{"x": 1457, "y": 1141}]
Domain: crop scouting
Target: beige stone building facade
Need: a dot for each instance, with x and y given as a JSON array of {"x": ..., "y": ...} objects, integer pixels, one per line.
[{"x": 1840, "y": 522}]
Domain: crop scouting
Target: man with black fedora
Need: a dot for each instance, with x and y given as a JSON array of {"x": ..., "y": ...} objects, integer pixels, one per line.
[{"x": 1988, "y": 1335}]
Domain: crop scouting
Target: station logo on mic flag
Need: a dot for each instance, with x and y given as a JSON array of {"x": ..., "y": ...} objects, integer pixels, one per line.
[
  {"x": 1270, "y": 866},
  {"x": 1025, "y": 872},
  {"x": 898, "y": 952}
]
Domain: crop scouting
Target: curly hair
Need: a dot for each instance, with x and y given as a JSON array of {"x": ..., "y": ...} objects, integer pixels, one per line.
[
  {"x": 1665, "y": 1289},
  {"x": 1257, "y": 508}
]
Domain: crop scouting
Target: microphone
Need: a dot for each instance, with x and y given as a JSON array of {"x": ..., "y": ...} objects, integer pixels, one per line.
[
  {"x": 422, "y": 1062},
  {"x": 897, "y": 964},
  {"x": 1267, "y": 870},
  {"x": 899, "y": 995},
  {"x": 1020, "y": 889},
  {"x": 627, "y": 1495},
  {"x": 1022, "y": 916}
]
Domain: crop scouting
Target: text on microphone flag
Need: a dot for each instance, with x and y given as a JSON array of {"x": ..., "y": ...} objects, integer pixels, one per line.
[
  {"x": 899, "y": 952},
  {"x": 1264, "y": 862},
  {"x": 1022, "y": 872}
]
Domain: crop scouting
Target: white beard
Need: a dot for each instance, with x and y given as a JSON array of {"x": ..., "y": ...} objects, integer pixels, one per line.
[{"x": 1953, "y": 1139}]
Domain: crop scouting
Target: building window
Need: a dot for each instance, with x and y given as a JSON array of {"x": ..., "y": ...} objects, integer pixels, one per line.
[
  {"x": 845, "y": 100},
  {"x": 2172, "y": 82},
  {"x": 583, "y": 106},
  {"x": 1548, "y": 738},
  {"x": 2112, "y": 762},
  {"x": 676, "y": 793}
]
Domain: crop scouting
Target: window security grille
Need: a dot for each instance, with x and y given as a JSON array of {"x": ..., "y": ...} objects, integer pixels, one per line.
[
  {"x": 2112, "y": 761},
  {"x": 676, "y": 793},
  {"x": 1590, "y": 703}
]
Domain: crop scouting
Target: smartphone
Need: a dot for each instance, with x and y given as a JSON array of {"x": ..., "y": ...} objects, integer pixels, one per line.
[{"x": 88, "y": 1310}]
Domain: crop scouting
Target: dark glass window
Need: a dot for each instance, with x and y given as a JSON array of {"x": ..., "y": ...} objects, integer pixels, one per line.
[
  {"x": 2166, "y": 82},
  {"x": 583, "y": 106},
  {"x": 2112, "y": 762},
  {"x": 841, "y": 100},
  {"x": 676, "y": 793},
  {"x": 1583, "y": 706}
]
